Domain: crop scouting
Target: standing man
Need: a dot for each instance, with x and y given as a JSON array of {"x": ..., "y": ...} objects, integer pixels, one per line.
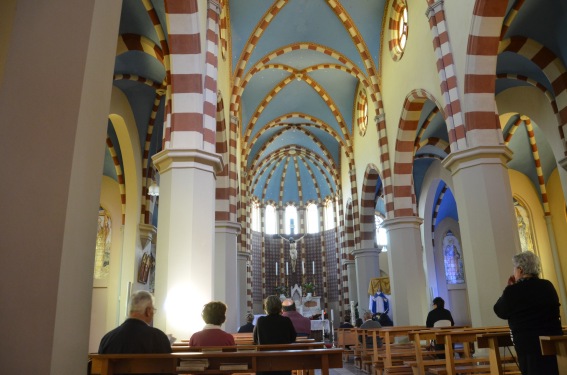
[
  {"x": 136, "y": 335},
  {"x": 301, "y": 324}
]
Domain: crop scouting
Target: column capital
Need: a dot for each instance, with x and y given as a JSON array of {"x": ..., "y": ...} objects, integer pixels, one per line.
[
  {"x": 147, "y": 233},
  {"x": 243, "y": 255},
  {"x": 563, "y": 163},
  {"x": 367, "y": 251},
  {"x": 168, "y": 159},
  {"x": 214, "y": 5},
  {"x": 348, "y": 262},
  {"x": 402, "y": 222},
  {"x": 379, "y": 118},
  {"x": 227, "y": 226},
  {"x": 434, "y": 8},
  {"x": 475, "y": 156}
]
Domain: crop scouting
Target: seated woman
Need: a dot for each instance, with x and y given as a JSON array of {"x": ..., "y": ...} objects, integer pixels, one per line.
[{"x": 214, "y": 315}]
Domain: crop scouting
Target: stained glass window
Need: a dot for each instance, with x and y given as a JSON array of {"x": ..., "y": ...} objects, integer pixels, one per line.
[
  {"x": 453, "y": 259},
  {"x": 103, "y": 242}
]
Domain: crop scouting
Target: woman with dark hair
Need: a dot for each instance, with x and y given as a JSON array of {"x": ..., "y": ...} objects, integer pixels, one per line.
[
  {"x": 274, "y": 328},
  {"x": 214, "y": 315},
  {"x": 531, "y": 306}
]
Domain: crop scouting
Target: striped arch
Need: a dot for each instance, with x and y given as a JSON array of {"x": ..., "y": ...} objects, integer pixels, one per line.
[
  {"x": 222, "y": 190},
  {"x": 447, "y": 76},
  {"x": 510, "y": 17},
  {"x": 480, "y": 71},
  {"x": 367, "y": 206},
  {"x": 404, "y": 195},
  {"x": 134, "y": 42},
  {"x": 436, "y": 211},
  {"x": 551, "y": 65},
  {"x": 535, "y": 155},
  {"x": 424, "y": 127},
  {"x": 119, "y": 176}
]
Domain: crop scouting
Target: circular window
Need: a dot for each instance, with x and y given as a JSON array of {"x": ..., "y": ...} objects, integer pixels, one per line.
[{"x": 398, "y": 29}]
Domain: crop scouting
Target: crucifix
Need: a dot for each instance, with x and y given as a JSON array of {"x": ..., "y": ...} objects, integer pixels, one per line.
[{"x": 292, "y": 249}]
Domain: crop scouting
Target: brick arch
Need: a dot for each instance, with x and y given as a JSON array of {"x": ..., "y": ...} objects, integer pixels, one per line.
[
  {"x": 482, "y": 52},
  {"x": 404, "y": 195},
  {"x": 367, "y": 206}
]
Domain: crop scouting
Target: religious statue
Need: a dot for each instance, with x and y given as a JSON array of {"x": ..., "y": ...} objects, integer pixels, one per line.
[{"x": 292, "y": 249}]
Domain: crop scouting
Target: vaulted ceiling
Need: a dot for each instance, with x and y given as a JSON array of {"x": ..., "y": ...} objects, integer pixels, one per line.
[{"x": 295, "y": 66}]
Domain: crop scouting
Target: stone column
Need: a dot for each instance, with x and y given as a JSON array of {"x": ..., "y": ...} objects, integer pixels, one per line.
[
  {"x": 351, "y": 282},
  {"x": 243, "y": 259},
  {"x": 489, "y": 231},
  {"x": 367, "y": 267},
  {"x": 226, "y": 280},
  {"x": 185, "y": 261},
  {"x": 407, "y": 277}
]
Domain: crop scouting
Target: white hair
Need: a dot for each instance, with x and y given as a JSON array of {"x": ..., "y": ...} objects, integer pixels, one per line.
[{"x": 140, "y": 300}]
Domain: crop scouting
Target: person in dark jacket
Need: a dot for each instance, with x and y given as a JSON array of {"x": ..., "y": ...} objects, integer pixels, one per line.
[
  {"x": 531, "y": 306},
  {"x": 136, "y": 335},
  {"x": 437, "y": 315},
  {"x": 274, "y": 328},
  {"x": 249, "y": 326}
]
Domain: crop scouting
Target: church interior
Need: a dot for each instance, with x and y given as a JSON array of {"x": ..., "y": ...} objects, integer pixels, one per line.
[{"x": 227, "y": 150}]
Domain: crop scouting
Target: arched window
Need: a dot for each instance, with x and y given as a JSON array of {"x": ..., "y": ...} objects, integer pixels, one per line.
[
  {"x": 103, "y": 242},
  {"x": 453, "y": 258},
  {"x": 255, "y": 216},
  {"x": 271, "y": 219},
  {"x": 329, "y": 215},
  {"x": 381, "y": 236},
  {"x": 312, "y": 218},
  {"x": 291, "y": 224}
]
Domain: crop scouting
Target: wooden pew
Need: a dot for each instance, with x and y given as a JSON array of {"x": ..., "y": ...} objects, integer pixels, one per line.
[
  {"x": 396, "y": 349},
  {"x": 292, "y": 346},
  {"x": 347, "y": 340},
  {"x": 493, "y": 341},
  {"x": 556, "y": 345},
  {"x": 467, "y": 337},
  {"x": 425, "y": 358},
  {"x": 269, "y": 360}
]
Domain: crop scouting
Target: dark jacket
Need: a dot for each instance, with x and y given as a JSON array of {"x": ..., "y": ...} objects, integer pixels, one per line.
[
  {"x": 134, "y": 336},
  {"x": 274, "y": 329},
  {"x": 437, "y": 314},
  {"x": 248, "y": 327}
]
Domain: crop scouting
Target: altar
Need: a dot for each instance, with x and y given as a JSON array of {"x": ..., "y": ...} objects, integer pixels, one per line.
[{"x": 307, "y": 305}]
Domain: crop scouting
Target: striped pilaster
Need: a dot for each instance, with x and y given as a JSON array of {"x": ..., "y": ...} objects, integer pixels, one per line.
[
  {"x": 211, "y": 72},
  {"x": 367, "y": 204},
  {"x": 447, "y": 76},
  {"x": 119, "y": 176},
  {"x": 186, "y": 128}
]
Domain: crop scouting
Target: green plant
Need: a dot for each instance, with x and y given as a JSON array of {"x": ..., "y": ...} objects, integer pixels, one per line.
[
  {"x": 308, "y": 287},
  {"x": 281, "y": 289}
]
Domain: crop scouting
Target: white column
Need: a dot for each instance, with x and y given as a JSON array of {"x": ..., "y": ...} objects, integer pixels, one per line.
[
  {"x": 407, "y": 277},
  {"x": 351, "y": 282},
  {"x": 489, "y": 231},
  {"x": 226, "y": 280},
  {"x": 185, "y": 253},
  {"x": 243, "y": 258},
  {"x": 367, "y": 267}
]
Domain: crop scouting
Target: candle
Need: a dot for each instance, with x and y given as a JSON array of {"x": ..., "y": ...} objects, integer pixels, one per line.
[
  {"x": 322, "y": 315},
  {"x": 332, "y": 317},
  {"x": 313, "y": 263},
  {"x": 286, "y": 271},
  {"x": 303, "y": 265},
  {"x": 276, "y": 268}
]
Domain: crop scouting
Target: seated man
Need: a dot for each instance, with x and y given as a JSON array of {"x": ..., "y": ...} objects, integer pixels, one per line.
[
  {"x": 346, "y": 323},
  {"x": 301, "y": 324},
  {"x": 214, "y": 315},
  {"x": 248, "y": 327},
  {"x": 136, "y": 335},
  {"x": 369, "y": 323}
]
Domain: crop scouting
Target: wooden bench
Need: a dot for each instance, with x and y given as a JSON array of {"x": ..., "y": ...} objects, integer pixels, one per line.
[
  {"x": 556, "y": 345},
  {"x": 291, "y": 346},
  {"x": 347, "y": 340},
  {"x": 269, "y": 360},
  {"x": 467, "y": 365}
]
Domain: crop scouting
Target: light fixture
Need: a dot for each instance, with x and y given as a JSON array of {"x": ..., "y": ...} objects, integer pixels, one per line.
[{"x": 153, "y": 190}]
